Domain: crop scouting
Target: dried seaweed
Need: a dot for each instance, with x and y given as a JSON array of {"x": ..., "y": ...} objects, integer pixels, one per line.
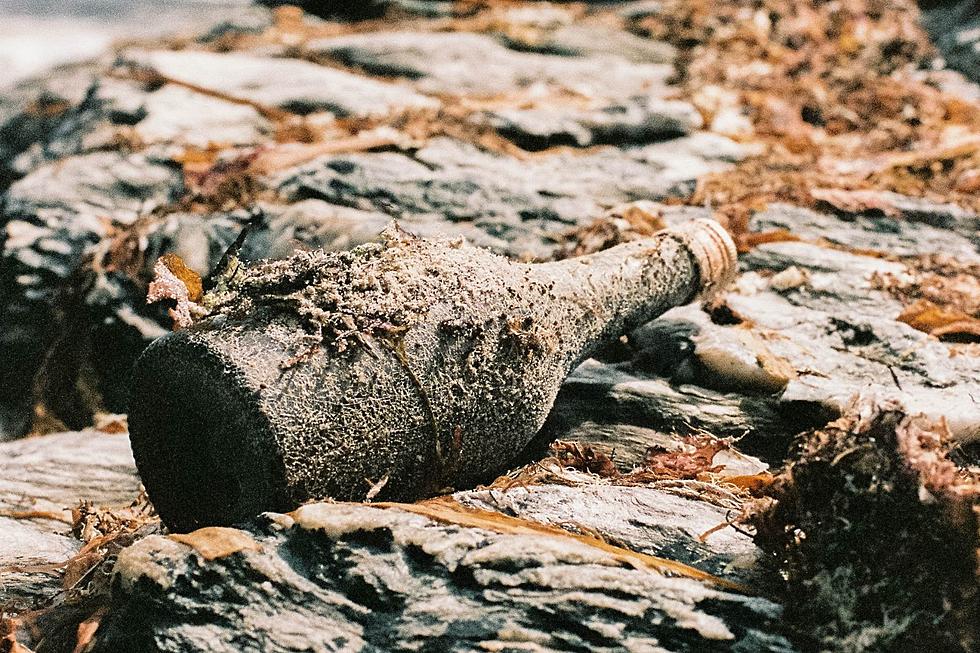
[{"x": 875, "y": 530}]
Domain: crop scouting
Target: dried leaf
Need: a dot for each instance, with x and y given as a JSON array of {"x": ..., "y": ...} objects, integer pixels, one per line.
[
  {"x": 110, "y": 423},
  {"x": 86, "y": 630},
  {"x": 747, "y": 241},
  {"x": 8, "y": 636},
  {"x": 583, "y": 457},
  {"x": 942, "y": 323},
  {"x": 754, "y": 483},
  {"x": 685, "y": 464},
  {"x": 216, "y": 542},
  {"x": 172, "y": 279}
]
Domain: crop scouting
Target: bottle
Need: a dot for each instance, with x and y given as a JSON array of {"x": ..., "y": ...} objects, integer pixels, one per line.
[{"x": 395, "y": 370}]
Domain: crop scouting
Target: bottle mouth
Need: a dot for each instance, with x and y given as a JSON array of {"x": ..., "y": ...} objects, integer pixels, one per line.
[
  {"x": 204, "y": 450},
  {"x": 713, "y": 249}
]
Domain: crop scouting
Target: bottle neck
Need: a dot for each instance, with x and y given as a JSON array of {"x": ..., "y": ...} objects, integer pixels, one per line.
[{"x": 607, "y": 294}]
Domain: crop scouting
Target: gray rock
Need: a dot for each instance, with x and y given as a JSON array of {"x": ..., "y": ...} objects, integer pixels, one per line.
[
  {"x": 459, "y": 63},
  {"x": 583, "y": 39},
  {"x": 178, "y": 116},
  {"x": 915, "y": 233},
  {"x": 637, "y": 9},
  {"x": 50, "y": 219},
  {"x": 289, "y": 84},
  {"x": 657, "y": 520},
  {"x": 357, "y": 577},
  {"x": 30, "y": 111},
  {"x": 955, "y": 28},
  {"x": 524, "y": 203},
  {"x": 52, "y": 474},
  {"x": 841, "y": 335},
  {"x": 634, "y": 120},
  {"x": 624, "y": 396}
]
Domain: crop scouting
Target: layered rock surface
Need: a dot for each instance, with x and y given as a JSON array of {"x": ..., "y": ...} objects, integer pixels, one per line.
[{"x": 523, "y": 129}]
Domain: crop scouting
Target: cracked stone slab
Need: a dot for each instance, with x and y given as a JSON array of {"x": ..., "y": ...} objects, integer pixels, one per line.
[
  {"x": 54, "y": 473},
  {"x": 519, "y": 202},
  {"x": 176, "y": 115},
  {"x": 459, "y": 63},
  {"x": 573, "y": 39},
  {"x": 30, "y": 110},
  {"x": 653, "y": 520},
  {"x": 639, "y": 119},
  {"x": 841, "y": 335},
  {"x": 902, "y": 236},
  {"x": 289, "y": 84},
  {"x": 357, "y": 577}
]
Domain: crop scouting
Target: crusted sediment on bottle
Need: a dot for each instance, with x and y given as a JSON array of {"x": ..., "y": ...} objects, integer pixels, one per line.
[
  {"x": 373, "y": 289},
  {"x": 417, "y": 365}
]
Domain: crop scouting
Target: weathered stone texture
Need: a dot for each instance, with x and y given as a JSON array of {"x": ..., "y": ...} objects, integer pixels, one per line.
[{"x": 341, "y": 576}]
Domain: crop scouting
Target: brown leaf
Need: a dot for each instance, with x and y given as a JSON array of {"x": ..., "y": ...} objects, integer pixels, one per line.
[
  {"x": 583, "y": 457},
  {"x": 754, "y": 483},
  {"x": 747, "y": 241},
  {"x": 942, "y": 323},
  {"x": 172, "y": 279},
  {"x": 86, "y": 630},
  {"x": 216, "y": 542}
]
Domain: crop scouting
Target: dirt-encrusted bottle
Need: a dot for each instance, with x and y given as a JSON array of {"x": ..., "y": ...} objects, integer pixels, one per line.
[{"x": 401, "y": 368}]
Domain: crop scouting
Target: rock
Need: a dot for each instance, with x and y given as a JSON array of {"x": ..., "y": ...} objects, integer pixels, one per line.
[
  {"x": 518, "y": 202},
  {"x": 458, "y": 63},
  {"x": 289, "y": 84},
  {"x": 871, "y": 203},
  {"x": 45, "y": 477},
  {"x": 30, "y": 111},
  {"x": 621, "y": 398},
  {"x": 917, "y": 231},
  {"x": 51, "y": 217},
  {"x": 955, "y": 28},
  {"x": 638, "y": 9},
  {"x": 359, "y": 576},
  {"x": 635, "y": 120},
  {"x": 579, "y": 40},
  {"x": 658, "y": 521},
  {"x": 176, "y": 115},
  {"x": 841, "y": 335}
]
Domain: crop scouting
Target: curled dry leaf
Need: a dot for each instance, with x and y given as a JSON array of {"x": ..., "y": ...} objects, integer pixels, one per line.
[
  {"x": 685, "y": 464},
  {"x": 583, "y": 457},
  {"x": 172, "y": 279}
]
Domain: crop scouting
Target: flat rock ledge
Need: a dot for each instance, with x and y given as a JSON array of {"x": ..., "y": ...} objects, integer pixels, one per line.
[{"x": 358, "y": 577}]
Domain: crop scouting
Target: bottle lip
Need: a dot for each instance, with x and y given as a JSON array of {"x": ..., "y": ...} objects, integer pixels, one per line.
[{"x": 713, "y": 249}]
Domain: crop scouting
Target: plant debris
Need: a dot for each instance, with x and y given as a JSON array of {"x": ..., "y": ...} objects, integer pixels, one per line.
[
  {"x": 876, "y": 532},
  {"x": 835, "y": 91}
]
